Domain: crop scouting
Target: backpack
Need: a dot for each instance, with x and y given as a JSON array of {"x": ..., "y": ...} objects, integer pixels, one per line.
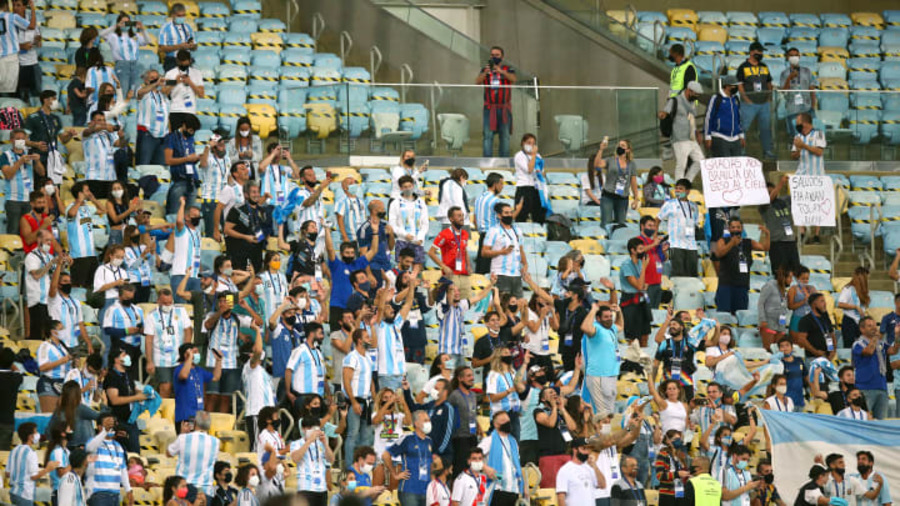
[
  {"x": 10, "y": 118},
  {"x": 666, "y": 124},
  {"x": 559, "y": 228}
]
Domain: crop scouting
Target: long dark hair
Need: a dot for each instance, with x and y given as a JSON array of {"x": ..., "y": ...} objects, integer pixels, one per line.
[
  {"x": 168, "y": 486},
  {"x": 69, "y": 400},
  {"x": 436, "y": 365},
  {"x": 592, "y": 171},
  {"x": 57, "y": 434},
  {"x": 457, "y": 373},
  {"x": 119, "y": 30},
  {"x": 95, "y": 57}
]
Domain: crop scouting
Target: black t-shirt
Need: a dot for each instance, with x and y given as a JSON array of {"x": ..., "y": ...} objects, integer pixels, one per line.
[
  {"x": 303, "y": 259},
  {"x": 224, "y": 496},
  {"x": 816, "y": 329},
  {"x": 121, "y": 382},
  {"x": 778, "y": 216},
  {"x": 246, "y": 220},
  {"x": 506, "y": 334},
  {"x": 9, "y": 390},
  {"x": 838, "y": 400},
  {"x": 623, "y": 495},
  {"x": 415, "y": 336},
  {"x": 679, "y": 350},
  {"x": 569, "y": 324},
  {"x": 730, "y": 265},
  {"x": 76, "y": 103},
  {"x": 484, "y": 348},
  {"x": 756, "y": 79},
  {"x": 551, "y": 438}
]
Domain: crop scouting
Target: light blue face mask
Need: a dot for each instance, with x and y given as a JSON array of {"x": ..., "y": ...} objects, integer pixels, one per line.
[
  {"x": 742, "y": 464},
  {"x": 450, "y": 363},
  {"x": 351, "y": 485},
  {"x": 178, "y": 20},
  {"x": 196, "y": 359},
  {"x": 126, "y": 361}
]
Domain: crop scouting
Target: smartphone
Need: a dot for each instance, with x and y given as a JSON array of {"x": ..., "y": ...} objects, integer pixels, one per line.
[
  {"x": 171, "y": 82},
  {"x": 230, "y": 300},
  {"x": 217, "y": 353},
  {"x": 131, "y": 24}
]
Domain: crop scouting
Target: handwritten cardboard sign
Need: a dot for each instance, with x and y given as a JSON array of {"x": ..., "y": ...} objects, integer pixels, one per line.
[
  {"x": 733, "y": 182},
  {"x": 812, "y": 201}
]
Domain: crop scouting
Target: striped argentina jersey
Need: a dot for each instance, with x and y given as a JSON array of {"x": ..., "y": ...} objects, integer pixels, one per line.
[
  {"x": 98, "y": 156},
  {"x": 214, "y": 176},
  {"x": 485, "y": 217},
  {"x": 499, "y": 238},
  {"x": 361, "y": 383},
  {"x": 314, "y": 212},
  {"x": 22, "y": 182},
  {"x": 138, "y": 266},
  {"x": 9, "y": 41},
  {"x": 153, "y": 114},
  {"x": 67, "y": 311},
  {"x": 22, "y": 465},
  {"x": 49, "y": 352},
  {"x": 810, "y": 164},
  {"x": 172, "y": 34},
  {"x": 80, "y": 232},
  {"x": 275, "y": 288},
  {"x": 37, "y": 290},
  {"x": 257, "y": 388},
  {"x": 308, "y": 366},
  {"x": 311, "y": 468},
  {"x": 391, "y": 356},
  {"x": 109, "y": 472},
  {"x": 121, "y": 317},
  {"x": 353, "y": 211},
  {"x": 95, "y": 77},
  {"x": 167, "y": 330},
  {"x": 70, "y": 490},
  {"x": 224, "y": 337},
  {"x": 59, "y": 454},
  {"x": 452, "y": 326},
  {"x": 276, "y": 182},
  {"x": 83, "y": 378},
  {"x": 500, "y": 382},
  {"x": 124, "y": 47},
  {"x": 187, "y": 252},
  {"x": 196, "y": 452}
]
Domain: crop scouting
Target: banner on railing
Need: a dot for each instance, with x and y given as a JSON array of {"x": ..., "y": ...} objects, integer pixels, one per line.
[
  {"x": 812, "y": 201},
  {"x": 733, "y": 182}
]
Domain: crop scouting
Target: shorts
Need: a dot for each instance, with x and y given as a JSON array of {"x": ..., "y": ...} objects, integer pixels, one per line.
[
  {"x": 164, "y": 374},
  {"x": 510, "y": 284},
  {"x": 637, "y": 319},
  {"x": 82, "y": 271},
  {"x": 228, "y": 383},
  {"x": 47, "y": 387}
]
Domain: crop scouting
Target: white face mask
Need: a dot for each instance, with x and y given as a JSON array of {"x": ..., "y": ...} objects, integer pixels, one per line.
[
  {"x": 116, "y": 262},
  {"x": 781, "y": 389},
  {"x": 244, "y": 133},
  {"x": 19, "y": 144},
  {"x": 211, "y": 290},
  {"x": 426, "y": 427},
  {"x": 311, "y": 433},
  {"x": 527, "y": 148},
  {"x": 605, "y": 429},
  {"x": 228, "y": 272},
  {"x": 725, "y": 339},
  {"x": 117, "y": 193},
  {"x": 46, "y": 248},
  {"x": 54, "y": 105},
  {"x": 367, "y": 468},
  {"x": 253, "y": 481},
  {"x": 301, "y": 303},
  {"x": 167, "y": 308},
  {"x": 794, "y": 60},
  {"x": 49, "y": 189},
  {"x": 477, "y": 466},
  {"x": 279, "y": 469}
]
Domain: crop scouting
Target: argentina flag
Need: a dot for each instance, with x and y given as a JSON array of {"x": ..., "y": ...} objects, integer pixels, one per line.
[{"x": 798, "y": 437}]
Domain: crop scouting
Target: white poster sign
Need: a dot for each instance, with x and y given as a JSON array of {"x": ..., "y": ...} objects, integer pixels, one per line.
[
  {"x": 812, "y": 201},
  {"x": 733, "y": 182}
]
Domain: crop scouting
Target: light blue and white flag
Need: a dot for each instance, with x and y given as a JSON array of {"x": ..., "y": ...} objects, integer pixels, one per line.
[{"x": 798, "y": 437}]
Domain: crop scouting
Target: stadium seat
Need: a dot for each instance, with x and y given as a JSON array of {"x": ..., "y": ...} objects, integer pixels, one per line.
[
  {"x": 270, "y": 25},
  {"x": 831, "y": 69},
  {"x": 770, "y": 36},
  {"x": 712, "y": 18},
  {"x": 300, "y": 41},
  {"x": 833, "y": 54},
  {"x": 454, "y": 130},
  {"x": 712, "y": 33},
  {"x": 736, "y": 18},
  {"x": 321, "y": 119},
  {"x": 267, "y": 41},
  {"x": 837, "y": 37},
  {"x": 868, "y": 19},
  {"x": 864, "y": 125},
  {"x": 890, "y": 127},
  {"x": 248, "y": 8}
]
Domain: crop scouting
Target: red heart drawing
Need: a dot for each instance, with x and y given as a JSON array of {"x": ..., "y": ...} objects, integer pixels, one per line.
[
  {"x": 732, "y": 196},
  {"x": 826, "y": 207}
]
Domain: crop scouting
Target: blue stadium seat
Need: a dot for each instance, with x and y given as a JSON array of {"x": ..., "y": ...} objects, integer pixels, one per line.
[
  {"x": 232, "y": 94},
  {"x": 353, "y": 94},
  {"x": 53, "y": 37},
  {"x": 863, "y": 69},
  {"x": 414, "y": 118},
  {"x": 736, "y": 18},
  {"x": 249, "y": 8},
  {"x": 770, "y": 36},
  {"x": 231, "y": 74},
  {"x": 831, "y": 69},
  {"x": 294, "y": 77},
  {"x": 805, "y": 20},
  {"x": 207, "y": 60},
  {"x": 262, "y": 92},
  {"x": 832, "y": 20},
  {"x": 865, "y": 49},
  {"x": 705, "y": 63},
  {"x": 357, "y": 75},
  {"x": 236, "y": 56},
  {"x": 834, "y": 37},
  {"x": 55, "y": 55},
  {"x": 864, "y": 125},
  {"x": 328, "y": 61},
  {"x": 802, "y": 34},
  {"x": 354, "y": 117},
  {"x": 213, "y": 10},
  {"x": 890, "y": 38},
  {"x": 774, "y": 19},
  {"x": 859, "y": 33},
  {"x": 890, "y": 127},
  {"x": 652, "y": 17},
  {"x": 228, "y": 116},
  {"x": 890, "y": 52},
  {"x": 242, "y": 24},
  {"x": 152, "y": 7},
  {"x": 207, "y": 24},
  {"x": 324, "y": 76},
  {"x": 208, "y": 113},
  {"x": 296, "y": 57},
  {"x": 892, "y": 18},
  {"x": 91, "y": 19},
  {"x": 300, "y": 41},
  {"x": 742, "y": 33},
  {"x": 865, "y": 100},
  {"x": 291, "y": 95},
  {"x": 322, "y": 94},
  {"x": 237, "y": 40},
  {"x": 889, "y": 73},
  {"x": 208, "y": 40},
  {"x": 680, "y": 34},
  {"x": 270, "y": 25},
  {"x": 712, "y": 18},
  {"x": 708, "y": 47},
  {"x": 738, "y": 48},
  {"x": 385, "y": 117},
  {"x": 265, "y": 58},
  {"x": 210, "y": 88}
]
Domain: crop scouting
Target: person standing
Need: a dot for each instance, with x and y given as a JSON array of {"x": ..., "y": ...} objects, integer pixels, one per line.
[
  {"x": 121, "y": 395},
  {"x": 722, "y": 131},
  {"x": 497, "y": 77},
  {"x": 406, "y": 167},
  {"x": 619, "y": 182},
  {"x": 688, "y": 154},
  {"x": 465, "y": 403},
  {"x": 772, "y": 308},
  {"x": 579, "y": 480},
  {"x": 341, "y": 268},
  {"x": 19, "y": 170},
  {"x": 358, "y": 387},
  {"x": 755, "y": 85},
  {"x": 735, "y": 255},
  {"x": 214, "y": 167},
  {"x": 501, "y": 450},
  {"x": 304, "y": 373},
  {"x": 153, "y": 119},
  {"x": 181, "y": 158},
  {"x": 231, "y": 196},
  {"x": 872, "y": 486},
  {"x": 655, "y": 248},
  {"x": 853, "y": 301},
  {"x": 870, "y": 355},
  {"x": 452, "y": 243},
  {"x": 108, "y": 471},
  {"x": 71, "y": 492},
  {"x": 701, "y": 489},
  {"x": 79, "y": 226},
  {"x": 276, "y": 177},
  {"x": 809, "y": 148},
  {"x": 801, "y": 82},
  {"x": 503, "y": 247},
  {"x": 46, "y": 130},
  {"x": 682, "y": 73},
  {"x": 738, "y": 482},
  {"x": 452, "y": 193},
  {"x": 443, "y": 417},
  {"x": 349, "y": 211},
  {"x": 187, "y": 90},
  {"x": 600, "y": 348},
  {"x": 409, "y": 219},
  {"x": 376, "y": 225},
  {"x": 683, "y": 217},
  {"x": 224, "y": 329},
  {"x": 485, "y": 217},
  {"x": 415, "y": 452},
  {"x": 815, "y": 330},
  {"x": 22, "y": 467},
  {"x": 124, "y": 39},
  {"x": 628, "y": 490},
  {"x": 176, "y": 35},
  {"x": 197, "y": 451},
  {"x": 783, "y": 253},
  {"x": 186, "y": 259},
  {"x": 529, "y": 177},
  {"x": 98, "y": 142},
  {"x": 635, "y": 302},
  {"x": 166, "y": 329},
  {"x": 39, "y": 263},
  {"x": 9, "y": 46},
  {"x": 245, "y": 237},
  {"x": 189, "y": 382}
]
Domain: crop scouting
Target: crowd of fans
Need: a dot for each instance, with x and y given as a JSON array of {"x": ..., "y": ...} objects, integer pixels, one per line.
[{"x": 327, "y": 332}]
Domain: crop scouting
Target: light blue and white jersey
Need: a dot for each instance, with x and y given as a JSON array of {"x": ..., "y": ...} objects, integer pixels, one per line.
[
  {"x": 485, "y": 217},
  {"x": 314, "y": 212},
  {"x": 96, "y": 76},
  {"x": 187, "y": 252},
  {"x": 109, "y": 472},
  {"x": 9, "y": 41},
  {"x": 275, "y": 289},
  {"x": 121, "y": 317},
  {"x": 37, "y": 290},
  {"x": 215, "y": 176},
  {"x": 123, "y": 46},
  {"x": 276, "y": 182},
  {"x": 80, "y": 232},
  {"x": 59, "y": 454},
  {"x": 67, "y": 311},
  {"x": 84, "y": 377},
  {"x": 173, "y": 34},
  {"x": 224, "y": 337},
  {"x": 354, "y": 212},
  {"x": 153, "y": 114},
  {"x": 452, "y": 326},
  {"x": 361, "y": 382},
  {"x": 682, "y": 218},
  {"x": 167, "y": 330},
  {"x": 499, "y": 238},
  {"x": 311, "y": 468},
  {"x": 810, "y": 164},
  {"x": 196, "y": 452},
  {"x": 308, "y": 366},
  {"x": 409, "y": 218},
  {"x": 500, "y": 382},
  {"x": 735, "y": 479},
  {"x": 138, "y": 265},
  {"x": 22, "y": 465},
  {"x": 391, "y": 357},
  {"x": 98, "y": 156},
  {"x": 49, "y": 352},
  {"x": 22, "y": 182},
  {"x": 257, "y": 389}
]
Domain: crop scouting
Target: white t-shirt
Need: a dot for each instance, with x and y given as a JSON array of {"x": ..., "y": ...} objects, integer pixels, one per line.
[
  {"x": 182, "y": 97},
  {"x": 36, "y": 288},
  {"x": 848, "y": 296},
  {"x": 776, "y": 405},
  {"x": 855, "y": 415},
  {"x": 466, "y": 491},
  {"x": 388, "y": 432},
  {"x": 523, "y": 178},
  {"x": 230, "y": 196},
  {"x": 608, "y": 464},
  {"x": 437, "y": 494},
  {"x": 538, "y": 342},
  {"x": 578, "y": 482},
  {"x": 812, "y": 496},
  {"x": 30, "y": 57},
  {"x": 586, "y": 185},
  {"x": 257, "y": 388}
]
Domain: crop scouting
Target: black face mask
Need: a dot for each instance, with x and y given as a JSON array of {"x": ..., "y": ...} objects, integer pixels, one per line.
[
  {"x": 409, "y": 162},
  {"x": 758, "y": 56},
  {"x": 582, "y": 456},
  {"x": 541, "y": 380},
  {"x": 290, "y": 320},
  {"x": 346, "y": 326},
  {"x": 389, "y": 320},
  {"x": 769, "y": 479},
  {"x": 184, "y": 68},
  {"x": 125, "y": 302},
  {"x": 506, "y": 220},
  {"x": 671, "y": 58},
  {"x": 857, "y": 402},
  {"x": 799, "y": 128},
  {"x": 840, "y": 471},
  {"x": 312, "y": 236},
  {"x": 228, "y": 477},
  {"x": 505, "y": 427},
  {"x": 382, "y": 215},
  {"x": 641, "y": 256},
  {"x": 348, "y": 260},
  {"x": 66, "y": 289},
  {"x": 311, "y": 184},
  {"x": 39, "y": 210},
  {"x": 507, "y": 360},
  {"x": 195, "y": 221},
  {"x": 620, "y": 151},
  {"x": 513, "y": 308}
]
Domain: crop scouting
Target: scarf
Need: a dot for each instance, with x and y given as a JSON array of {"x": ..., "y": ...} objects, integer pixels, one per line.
[
  {"x": 499, "y": 450},
  {"x": 541, "y": 185},
  {"x": 151, "y": 404},
  {"x": 879, "y": 352}
]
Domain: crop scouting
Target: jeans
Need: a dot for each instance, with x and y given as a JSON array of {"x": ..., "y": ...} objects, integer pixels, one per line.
[
  {"x": 760, "y": 112},
  {"x": 180, "y": 188},
  {"x": 877, "y": 400},
  {"x": 14, "y": 212},
  {"x": 104, "y": 499},
  {"x": 359, "y": 433},
  {"x": 688, "y": 156},
  {"x": 150, "y": 149},
  {"x": 613, "y": 208},
  {"x": 104, "y": 337},
  {"x": 193, "y": 285},
  {"x": 128, "y": 73},
  {"x": 18, "y": 501},
  {"x": 502, "y": 130},
  {"x": 410, "y": 499},
  {"x": 392, "y": 381},
  {"x": 208, "y": 210}
]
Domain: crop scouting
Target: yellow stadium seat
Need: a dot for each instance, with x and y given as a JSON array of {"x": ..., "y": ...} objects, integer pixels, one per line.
[
  {"x": 478, "y": 281},
  {"x": 532, "y": 477},
  {"x": 625, "y": 17},
  {"x": 161, "y": 460},
  {"x": 246, "y": 458},
  {"x": 478, "y": 332},
  {"x": 209, "y": 244},
  {"x": 868, "y": 19},
  {"x": 164, "y": 438},
  {"x": 649, "y": 211},
  {"x": 696, "y": 197},
  {"x": 98, "y": 6},
  {"x": 338, "y": 174},
  {"x": 838, "y": 283},
  {"x": 652, "y": 497},
  {"x": 833, "y": 83},
  {"x": 221, "y": 422},
  {"x": 268, "y": 41},
  {"x": 262, "y": 119},
  {"x": 431, "y": 276},
  {"x": 123, "y": 7},
  {"x": 10, "y": 243},
  {"x": 190, "y": 7},
  {"x": 545, "y": 497},
  {"x": 587, "y": 246},
  {"x": 146, "y": 497},
  {"x": 712, "y": 33},
  {"x": 831, "y": 53},
  {"x": 431, "y": 352},
  {"x": 711, "y": 283},
  {"x": 167, "y": 410},
  {"x": 156, "y": 210},
  {"x": 148, "y": 443},
  {"x": 234, "y": 441},
  {"x": 682, "y": 17},
  {"x": 31, "y": 344},
  {"x": 62, "y": 20},
  {"x": 321, "y": 119}
]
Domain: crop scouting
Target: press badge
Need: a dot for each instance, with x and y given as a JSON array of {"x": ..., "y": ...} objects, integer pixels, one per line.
[{"x": 743, "y": 268}]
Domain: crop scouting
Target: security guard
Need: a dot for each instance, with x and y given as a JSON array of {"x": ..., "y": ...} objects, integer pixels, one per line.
[
  {"x": 702, "y": 489},
  {"x": 683, "y": 72}
]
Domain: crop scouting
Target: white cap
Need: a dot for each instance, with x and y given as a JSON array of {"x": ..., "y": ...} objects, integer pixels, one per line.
[{"x": 695, "y": 87}]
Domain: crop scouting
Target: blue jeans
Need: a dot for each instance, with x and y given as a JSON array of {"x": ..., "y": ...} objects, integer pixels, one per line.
[
  {"x": 410, "y": 499},
  {"x": 178, "y": 189},
  {"x": 193, "y": 285},
  {"x": 128, "y": 73},
  {"x": 104, "y": 499},
  {"x": 18, "y": 501},
  {"x": 104, "y": 337},
  {"x": 613, "y": 209},
  {"x": 208, "y": 210},
  {"x": 877, "y": 400},
  {"x": 392, "y": 381},
  {"x": 502, "y": 130},
  {"x": 763, "y": 114},
  {"x": 359, "y": 433},
  {"x": 150, "y": 149}
]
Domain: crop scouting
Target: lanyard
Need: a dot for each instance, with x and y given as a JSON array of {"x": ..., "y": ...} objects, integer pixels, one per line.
[
  {"x": 51, "y": 133},
  {"x": 513, "y": 238},
  {"x": 738, "y": 475},
  {"x": 71, "y": 309},
  {"x": 635, "y": 492},
  {"x": 182, "y": 30},
  {"x": 276, "y": 283},
  {"x": 220, "y": 167},
  {"x": 839, "y": 492},
  {"x": 478, "y": 480},
  {"x": 819, "y": 324},
  {"x": 115, "y": 273},
  {"x": 680, "y": 354},
  {"x": 458, "y": 238},
  {"x": 315, "y": 357},
  {"x": 778, "y": 404},
  {"x": 162, "y": 319},
  {"x": 690, "y": 210}
]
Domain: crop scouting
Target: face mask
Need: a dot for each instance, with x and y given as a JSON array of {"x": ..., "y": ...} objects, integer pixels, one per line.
[
  {"x": 725, "y": 339},
  {"x": 426, "y": 427},
  {"x": 620, "y": 151},
  {"x": 408, "y": 193},
  {"x": 228, "y": 272},
  {"x": 166, "y": 309},
  {"x": 367, "y": 468},
  {"x": 49, "y": 189},
  {"x": 46, "y": 248},
  {"x": 348, "y": 259},
  {"x": 382, "y": 215},
  {"x": 794, "y": 60},
  {"x": 476, "y": 466},
  {"x": 541, "y": 380},
  {"x": 19, "y": 144},
  {"x": 680, "y": 195},
  {"x": 658, "y": 179},
  {"x": 181, "y": 493},
  {"x": 505, "y": 427},
  {"x": 66, "y": 289},
  {"x": 857, "y": 402},
  {"x": 311, "y": 236},
  {"x": 507, "y": 360},
  {"x": 195, "y": 221},
  {"x": 863, "y": 469},
  {"x": 781, "y": 389},
  {"x": 310, "y": 433},
  {"x": 527, "y": 148},
  {"x": 649, "y": 232},
  {"x": 496, "y": 61},
  {"x": 259, "y": 290},
  {"x": 742, "y": 464},
  {"x": 279, "y": 469},
  {"x": 196, "y": 361},
  {"x": 126, "y": 361},
  {"x": 799, "y": 128},
  {"x": 506, "y": 220},
  {"x": 605, "y": 429},
  {"x": 253, "y": 481},
  {"x": 769, "y": 479},
  {"x": 671, "y": 58},
  {"x": 677, "y": 444},
  {"x": 351, "y": 486},
  {"x": 840, "y": 471},
  {"x": 275, "y": 264},
  {"x": 409, "y": 162},
  {"x": 178, "y": 20},
  {"x": 54, "y": 105},
  {"x": 184, "y": 68},
  {"x": 290, "y": 320},
  {"x": 758, "y": 56},
  {"x": 117, "y": 193},
  {"x": 211, "y": 290},
  {"x": 582, "y": 457},
  {"x": 116, "y": 262}
]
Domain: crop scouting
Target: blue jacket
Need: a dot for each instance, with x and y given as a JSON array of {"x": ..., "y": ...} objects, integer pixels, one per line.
[{"x": 723, "y": 118}]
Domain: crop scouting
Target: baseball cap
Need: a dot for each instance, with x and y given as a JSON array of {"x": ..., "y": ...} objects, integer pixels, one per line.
[
  {"x": 695, "y": 87},
  {"x": 578, "y": 442}
]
